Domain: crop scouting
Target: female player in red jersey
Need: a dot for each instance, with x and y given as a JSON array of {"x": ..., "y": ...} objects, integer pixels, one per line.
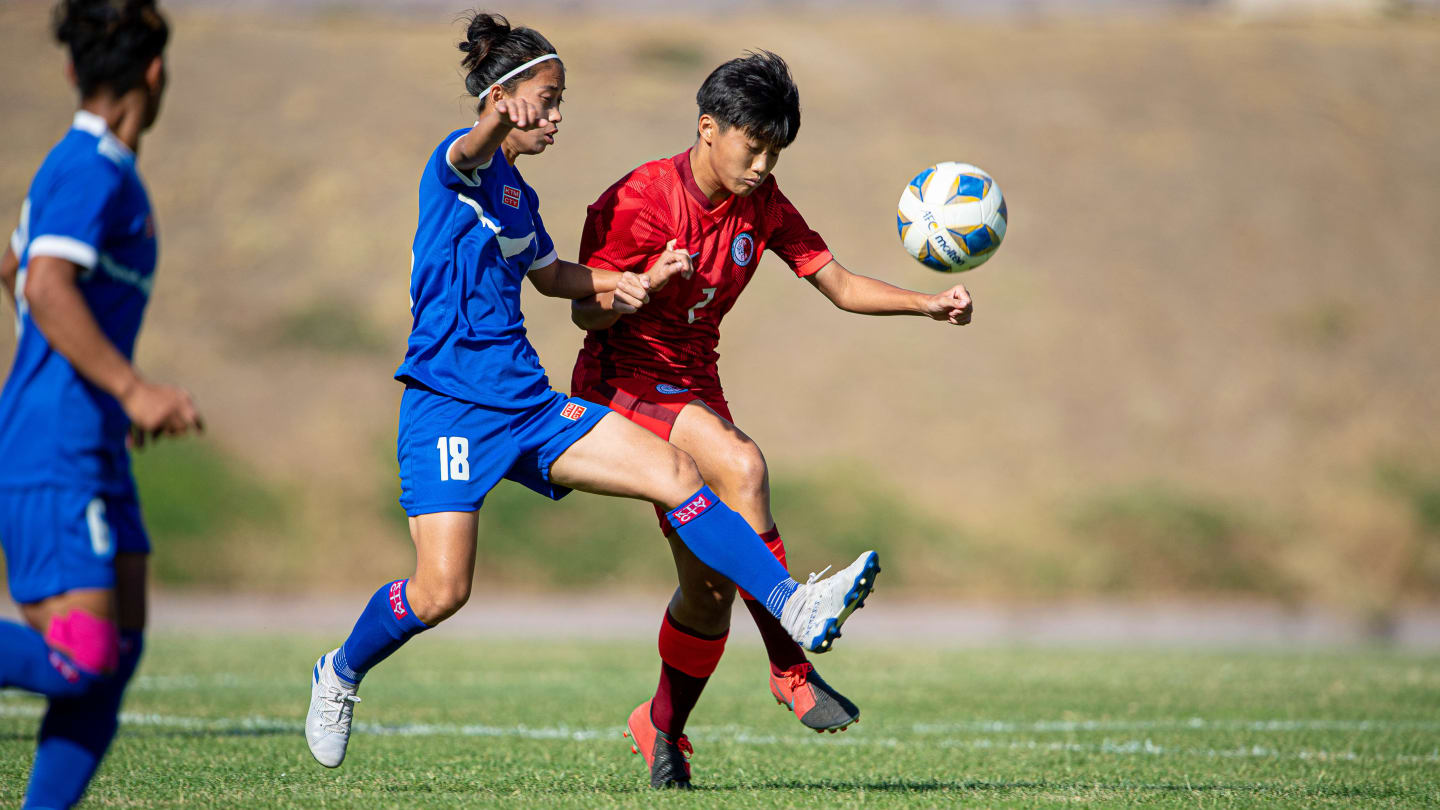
[{"x": 657, "y": 366}]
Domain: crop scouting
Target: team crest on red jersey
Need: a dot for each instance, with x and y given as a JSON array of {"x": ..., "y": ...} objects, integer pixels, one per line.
[
  {"x": 512, "y": 197},
  {"x": 572, "y": 411},
  {"x": 742, "y": 250}
]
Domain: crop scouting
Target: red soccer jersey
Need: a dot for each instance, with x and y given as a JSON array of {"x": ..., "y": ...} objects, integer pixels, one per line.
[{"x": 672, "y": 339}]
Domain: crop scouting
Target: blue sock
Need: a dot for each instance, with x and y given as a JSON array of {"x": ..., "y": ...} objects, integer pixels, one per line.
[
  {"x": 27, "y": 662},
  {"x": 386, "y": 623},
  {"x": 77, "y": 731},
  {"x": 724, "y": 541}
]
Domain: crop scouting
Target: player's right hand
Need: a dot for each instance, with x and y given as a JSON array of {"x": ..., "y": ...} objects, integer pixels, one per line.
[
  {"x": 518, "y": 113},
  {"x": 156, "y": 410},
  {"x": 674, "y": 261}
]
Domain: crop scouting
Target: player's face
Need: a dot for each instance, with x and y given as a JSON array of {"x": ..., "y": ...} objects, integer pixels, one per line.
[
  {"x": 739, "y": 160},
  {"x": 544, "y": 90}
]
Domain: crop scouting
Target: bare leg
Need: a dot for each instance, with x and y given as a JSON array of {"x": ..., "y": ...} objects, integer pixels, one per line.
[{"x": 444, "y": 564}]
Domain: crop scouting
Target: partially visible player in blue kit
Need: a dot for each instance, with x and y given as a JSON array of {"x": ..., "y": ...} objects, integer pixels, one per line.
[
  {"x": 79, "y": 270},
  {"x": 478, "y": 408}
]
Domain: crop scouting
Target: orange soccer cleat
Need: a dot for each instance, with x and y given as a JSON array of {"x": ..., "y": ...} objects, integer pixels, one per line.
[
  {"x": 802, "y": 690},
  {"x": 669, "y": 761}
]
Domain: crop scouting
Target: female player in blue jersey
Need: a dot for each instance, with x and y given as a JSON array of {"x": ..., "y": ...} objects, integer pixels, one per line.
[
  {"x": 478, "y": 408},
  {"x": 79, "y": 270}
]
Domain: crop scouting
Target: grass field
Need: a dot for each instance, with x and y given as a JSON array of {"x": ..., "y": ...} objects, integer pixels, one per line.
[{"x": 451, "y": 723}]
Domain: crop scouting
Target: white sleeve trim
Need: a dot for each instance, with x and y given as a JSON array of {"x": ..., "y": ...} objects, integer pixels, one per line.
[
  {"x": 17, "y": 244},
  {"x": 545, "y": 261},
  {"x": 64, "y": 247},
  {"x": 468, "y": 179}
]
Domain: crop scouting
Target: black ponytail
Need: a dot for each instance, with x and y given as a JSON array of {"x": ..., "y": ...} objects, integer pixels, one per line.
[
  {"x": 492, "y": 49},
  {"x": 111, "y": 42}
]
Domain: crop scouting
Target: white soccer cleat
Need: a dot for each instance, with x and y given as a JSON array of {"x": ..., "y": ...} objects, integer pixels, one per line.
[
  {"x": 814, "y": 613},
  {"x": 332, "y": 706}
]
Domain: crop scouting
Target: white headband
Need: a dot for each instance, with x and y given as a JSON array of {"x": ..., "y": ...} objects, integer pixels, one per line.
[{"x": 517, "y": 71}]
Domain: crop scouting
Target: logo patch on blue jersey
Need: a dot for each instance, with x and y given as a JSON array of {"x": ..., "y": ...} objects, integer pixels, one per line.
[
  {"x": 742, "y": 250},
  {"x": 512, "y": 197},
  {"x": 666, "y": 388}
]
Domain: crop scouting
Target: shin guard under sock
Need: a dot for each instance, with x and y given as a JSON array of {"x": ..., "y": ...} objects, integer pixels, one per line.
[
  {"x": 386, "y": 623},
  {"x": 721, "y": 539},
  {"x": 687, "y": 659},
  {"x": 782, "y": 650}
]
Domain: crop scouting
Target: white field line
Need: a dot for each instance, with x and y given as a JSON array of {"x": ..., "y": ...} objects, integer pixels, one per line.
[
  {"x": 1179, "y": 724},
  {"x": 738, "y": 735}
]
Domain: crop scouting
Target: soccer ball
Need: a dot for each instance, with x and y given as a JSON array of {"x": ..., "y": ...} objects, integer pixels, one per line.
[{"x": 951, "y": 217}]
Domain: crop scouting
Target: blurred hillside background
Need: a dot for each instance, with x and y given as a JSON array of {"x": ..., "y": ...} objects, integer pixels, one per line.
[{"x": 1205, "y": 364}]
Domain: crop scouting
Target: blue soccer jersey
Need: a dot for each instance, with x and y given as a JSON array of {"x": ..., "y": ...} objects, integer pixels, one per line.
[
  {"x": 88, "y": 206},
  {"x": 478, "y": 235}
]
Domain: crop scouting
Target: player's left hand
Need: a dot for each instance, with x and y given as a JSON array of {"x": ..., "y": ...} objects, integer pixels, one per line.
[
  {"x": 632, "y": 291},
  {"x": 674, "y": 261},
  {"x": 953, "y": 305}
]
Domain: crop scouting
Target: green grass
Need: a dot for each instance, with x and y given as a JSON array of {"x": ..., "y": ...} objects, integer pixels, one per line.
[
  {"x": 216, "y": 723},
  {"x": 193, "y": 495}
]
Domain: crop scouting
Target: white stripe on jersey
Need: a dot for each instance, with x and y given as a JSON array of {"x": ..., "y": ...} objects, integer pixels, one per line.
[
  {"x": 508, "y": 247},
  {"x": 63, "y": 247},
  {"x": 125, "y": 275}
]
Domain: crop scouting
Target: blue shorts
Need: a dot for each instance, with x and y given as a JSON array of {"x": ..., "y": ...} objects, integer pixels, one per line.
[
  {"x": 452, "y": 453},
  {"x": 57, "y": 539}
]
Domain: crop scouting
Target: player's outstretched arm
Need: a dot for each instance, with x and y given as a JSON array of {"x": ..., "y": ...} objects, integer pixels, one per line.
[
  {"x": 601, "y": 310},
  {"x": 562, "y": 279},
  {"x": 60, "y": 313},
  {"x": 869, "y": 296},
  {"x": 475, "y": 148}
]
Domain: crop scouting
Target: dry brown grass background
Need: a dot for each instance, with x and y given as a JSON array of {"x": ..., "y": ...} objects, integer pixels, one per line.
[{"x": 1217, "y": 300}]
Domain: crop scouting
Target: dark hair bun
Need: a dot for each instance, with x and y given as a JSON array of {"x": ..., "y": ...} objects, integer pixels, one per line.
[
  {"x": 493, "y": 48},
  {"x": 111, "y": 42},
  {"x": 483, "y": 33}
]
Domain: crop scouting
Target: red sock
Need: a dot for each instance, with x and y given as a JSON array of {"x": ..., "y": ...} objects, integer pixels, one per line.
[
  {"x": 687, "y": 658},
  {"x": 783, "y": 651}
]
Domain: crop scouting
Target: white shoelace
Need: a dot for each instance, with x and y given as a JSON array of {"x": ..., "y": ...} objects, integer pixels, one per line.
[
  {"x": 341, "y": 703},
  {"x": 815, "y": 576}
]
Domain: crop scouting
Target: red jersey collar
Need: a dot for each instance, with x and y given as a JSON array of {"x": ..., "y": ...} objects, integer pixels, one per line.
[{"x": 687, "y": 179}]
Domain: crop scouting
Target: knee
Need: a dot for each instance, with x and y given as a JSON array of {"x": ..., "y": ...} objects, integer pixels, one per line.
[
  {"x": 684, "y": 475},
  {"x": 92, "y": 643},
  {"x": 85, "y": 651},
  {"x": 437, "y": 600},
  {"x": 745, "y": 467}
]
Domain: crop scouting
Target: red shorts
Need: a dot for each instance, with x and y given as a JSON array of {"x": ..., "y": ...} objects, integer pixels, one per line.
[{"x": 651, "y": 405}]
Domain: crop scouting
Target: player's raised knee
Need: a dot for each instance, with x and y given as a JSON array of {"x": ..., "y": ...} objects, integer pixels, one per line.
[
  {"x": 745, "y": 467},
  {"x": 86, "y": 648},
  {"x": 437, "y": 601},
  {"x": 680, "y": 476}
]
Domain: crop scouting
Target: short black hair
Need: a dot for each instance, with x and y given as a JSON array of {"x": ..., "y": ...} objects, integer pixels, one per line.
[
  {"x": 493, "y": 48},
  {"x": 756, "y": 93},
  {"x": 111, "y": 42}
]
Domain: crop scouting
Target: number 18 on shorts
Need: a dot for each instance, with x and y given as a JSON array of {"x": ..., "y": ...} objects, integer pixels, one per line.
[
  {"x": 452, "y": 452},
  {"x": 454, "y": 458}
]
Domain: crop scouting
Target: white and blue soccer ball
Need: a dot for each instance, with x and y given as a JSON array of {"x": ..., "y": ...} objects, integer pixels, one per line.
[{"x": 951, "y": 217}]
